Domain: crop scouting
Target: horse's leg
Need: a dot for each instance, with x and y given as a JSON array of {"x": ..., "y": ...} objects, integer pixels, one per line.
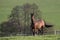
[
  {"x": 37, "y": 31},
  {"x": 33, "y": 31},
  {"x": 42, "y": 30}
]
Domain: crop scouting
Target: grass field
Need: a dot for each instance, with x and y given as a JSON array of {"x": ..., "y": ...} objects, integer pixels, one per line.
[
  {"x": 41, "y": 37},
  {"x": 50, "y": 12},
  {"x": 50, "y": 9}
]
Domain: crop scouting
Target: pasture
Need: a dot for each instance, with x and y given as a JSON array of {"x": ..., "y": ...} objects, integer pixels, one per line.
[
  {"x": 40, "y": 37},
  {"x": 50, "y": 9},
  {"x": 50, "y": 13}
]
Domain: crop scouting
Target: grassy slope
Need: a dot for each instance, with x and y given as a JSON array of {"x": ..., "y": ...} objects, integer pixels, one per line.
[
  {"x": 50, "y": 9},
  {"x": 46, "y": 37}
]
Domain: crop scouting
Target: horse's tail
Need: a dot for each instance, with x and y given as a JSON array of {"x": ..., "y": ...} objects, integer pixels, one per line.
[{"x": 47, "y": 25}]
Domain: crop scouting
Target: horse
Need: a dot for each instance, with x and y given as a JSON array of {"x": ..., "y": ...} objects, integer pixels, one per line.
[{"x": 37, "y": 25}]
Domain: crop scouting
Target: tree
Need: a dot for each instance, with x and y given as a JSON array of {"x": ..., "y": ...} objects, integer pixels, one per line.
[{"x": 20, "y": 19}]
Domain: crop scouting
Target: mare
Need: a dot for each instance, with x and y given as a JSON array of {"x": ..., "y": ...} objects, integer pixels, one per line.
[{"x": 37, "y": 25}]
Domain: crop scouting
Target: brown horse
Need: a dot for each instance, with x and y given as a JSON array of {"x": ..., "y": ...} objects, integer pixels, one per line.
[{"x": 37, "y": 25}]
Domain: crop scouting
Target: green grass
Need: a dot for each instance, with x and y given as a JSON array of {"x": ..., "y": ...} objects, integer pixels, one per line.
[
  {"x": 40, "y": 37},
  {"x": 50, "y": 9},
  {"x": 50, "y": 12}
]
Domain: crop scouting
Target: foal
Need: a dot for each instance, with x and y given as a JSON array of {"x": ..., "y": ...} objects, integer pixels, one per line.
[{"x": 37, "y": 25}]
